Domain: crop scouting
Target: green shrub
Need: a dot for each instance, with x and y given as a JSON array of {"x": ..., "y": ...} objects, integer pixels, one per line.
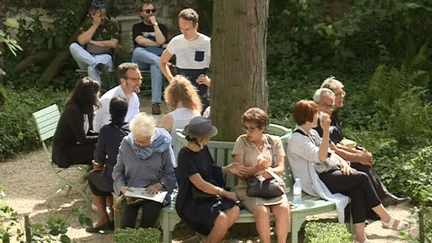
[
  {"x": 319, "y": 232},
  {"x": 144, "y": 235},
  {"x": 18, "y": 130}
]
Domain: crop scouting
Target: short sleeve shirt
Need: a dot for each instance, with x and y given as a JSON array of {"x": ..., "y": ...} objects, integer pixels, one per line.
[
  {"x": 147, "y": 31},
  {"x": 194, "y": 54}
]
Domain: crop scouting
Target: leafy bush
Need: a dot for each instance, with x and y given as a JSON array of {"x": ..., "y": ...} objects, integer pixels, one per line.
[
  {"x": 319, "y": 232},
  {"x": 18, "y": 130},
  {"x": 129, "y": 235}
]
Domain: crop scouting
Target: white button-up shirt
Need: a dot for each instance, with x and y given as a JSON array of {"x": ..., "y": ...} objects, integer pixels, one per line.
[{"x": 102, "y": 116}]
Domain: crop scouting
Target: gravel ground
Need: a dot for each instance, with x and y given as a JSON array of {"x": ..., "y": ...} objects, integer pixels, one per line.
[{"x": 28, "y": 184}]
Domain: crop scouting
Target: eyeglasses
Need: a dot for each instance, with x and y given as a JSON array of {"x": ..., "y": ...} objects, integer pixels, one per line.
[
  {"x": 97, "y": 5},
  {"x": 134, "y": 79},
  {"x": 343, "y": 93},
  {"x": 149, "y": 10},
  {"x": 250, "y": 129}
]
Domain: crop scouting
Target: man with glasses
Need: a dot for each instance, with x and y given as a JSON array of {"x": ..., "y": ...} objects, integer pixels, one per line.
[
  {"x": 130, "y": 83},
  {"x": 95, "y": 45},
  {"x": 329, "y": 98},
  {"x": 150, "y": 41},
  {"x": 192, "y": 51}
]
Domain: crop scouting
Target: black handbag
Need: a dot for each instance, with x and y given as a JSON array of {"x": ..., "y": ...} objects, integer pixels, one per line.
[{"x": 268, "y": 188}]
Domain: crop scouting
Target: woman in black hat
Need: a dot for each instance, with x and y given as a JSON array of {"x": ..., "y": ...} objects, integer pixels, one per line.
[{"x": 214, "y": 215}]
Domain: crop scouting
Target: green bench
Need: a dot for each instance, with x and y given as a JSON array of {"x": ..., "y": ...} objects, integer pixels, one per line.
[{"x": 221, "y": 152}]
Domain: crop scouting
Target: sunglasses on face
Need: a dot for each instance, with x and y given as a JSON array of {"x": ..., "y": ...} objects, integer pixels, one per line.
[
  {"x": 149, "y": 10},
  {"x": 97, "y": 5}
]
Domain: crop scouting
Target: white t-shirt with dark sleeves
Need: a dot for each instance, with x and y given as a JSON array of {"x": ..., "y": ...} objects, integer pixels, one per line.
[{"x": 191, "y": 54}]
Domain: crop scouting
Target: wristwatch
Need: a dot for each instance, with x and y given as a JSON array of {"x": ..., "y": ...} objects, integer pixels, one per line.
[
  {"x": 156, "y": 24},
  {"x": 163, "y": 184}
]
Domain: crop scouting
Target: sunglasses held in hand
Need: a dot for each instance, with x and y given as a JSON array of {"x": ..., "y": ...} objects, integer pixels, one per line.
[{"x": 97, "y": 5}]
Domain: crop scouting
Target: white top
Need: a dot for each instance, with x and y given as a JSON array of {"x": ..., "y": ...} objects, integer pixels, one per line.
[
  {"x": 191, "y": 54},
  {"x": 102, "y": 116},
  {"x": 302, "y": 155},
  {"x": 181, "y": 117}
]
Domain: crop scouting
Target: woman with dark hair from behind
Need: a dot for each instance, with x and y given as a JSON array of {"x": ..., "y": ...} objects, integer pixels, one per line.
[
  {"x": 105, "y": 158},
  {"x": 74, "y": 142}
]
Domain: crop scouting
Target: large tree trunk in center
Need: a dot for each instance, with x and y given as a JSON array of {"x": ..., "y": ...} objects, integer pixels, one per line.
[{"x": 238, "y": 64}]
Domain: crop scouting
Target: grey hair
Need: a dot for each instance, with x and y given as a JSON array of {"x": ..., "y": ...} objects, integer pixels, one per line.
[
  {"x": 143, "y": 124},
  {"x": 332, "y": 83},
  {"x": 319, "y": 92}
]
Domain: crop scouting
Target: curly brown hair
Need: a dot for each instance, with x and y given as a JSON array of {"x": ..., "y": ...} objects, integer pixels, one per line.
[{"x": 181, "y": 89}]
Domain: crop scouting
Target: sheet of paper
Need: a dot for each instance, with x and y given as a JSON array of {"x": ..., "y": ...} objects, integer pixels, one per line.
[{"x": 142, "y": 193}]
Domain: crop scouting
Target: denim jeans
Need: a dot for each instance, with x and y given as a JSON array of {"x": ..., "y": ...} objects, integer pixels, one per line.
[
  {"x": 87, "y": 61},
  {"x": 145, "y": 58}
]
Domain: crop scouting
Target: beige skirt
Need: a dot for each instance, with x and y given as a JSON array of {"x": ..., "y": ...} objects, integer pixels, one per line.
[{"x": 250, "y": 202}]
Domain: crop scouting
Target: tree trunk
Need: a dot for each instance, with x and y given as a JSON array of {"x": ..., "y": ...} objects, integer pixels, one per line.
[
  {"x": 238, "y": 64},
  {"x": 37, "y": 58}
]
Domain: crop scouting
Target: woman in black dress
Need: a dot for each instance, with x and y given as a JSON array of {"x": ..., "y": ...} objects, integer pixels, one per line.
[
  {"x": 105, "y": 158},
  {"x": 74, "y": 142},
  {"x": 211, "y": 217}
]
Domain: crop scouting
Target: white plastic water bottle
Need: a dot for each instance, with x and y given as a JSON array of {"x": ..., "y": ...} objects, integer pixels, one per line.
[{"x": 297, "y": 191}]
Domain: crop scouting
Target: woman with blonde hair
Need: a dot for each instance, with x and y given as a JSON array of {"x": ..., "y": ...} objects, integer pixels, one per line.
[{"x": 183, "y": 102}]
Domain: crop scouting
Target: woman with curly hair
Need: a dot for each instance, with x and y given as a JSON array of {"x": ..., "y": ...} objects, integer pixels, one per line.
[{"x": 183, "y": 102}]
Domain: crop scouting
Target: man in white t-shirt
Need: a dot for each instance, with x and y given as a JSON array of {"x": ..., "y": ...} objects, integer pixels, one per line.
[
  {"x": 192, "y": 50},
  {"x": 130, "y": 83}
]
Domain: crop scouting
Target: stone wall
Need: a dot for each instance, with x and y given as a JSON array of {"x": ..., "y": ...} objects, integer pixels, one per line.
[
  {"x": 126, "y": 12},
  {"x": 167, "y": 12}
]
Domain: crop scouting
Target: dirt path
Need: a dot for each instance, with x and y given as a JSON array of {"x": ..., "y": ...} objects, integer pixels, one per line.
[{"x": 28, "y": 184}]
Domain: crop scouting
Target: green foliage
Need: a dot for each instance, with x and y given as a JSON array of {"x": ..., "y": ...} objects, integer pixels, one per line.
[
  {"x": 419, "y": 169},
  {"x": 18, "y": 131},
  {"x": 54, "y": 230},
  {"x": 8, "y": 219},
  {"x": 141, "y": 235},
  {"x": 387, "y": 86},
  {"x": 11, "y": 43},
  {"x": 319, "y": 232},
  {"x": 411, "y": 115},
  {"x": 34, "y": 35}
]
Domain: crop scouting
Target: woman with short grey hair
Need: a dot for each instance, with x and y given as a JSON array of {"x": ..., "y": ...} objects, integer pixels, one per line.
[{"x": 145, "y": 159}]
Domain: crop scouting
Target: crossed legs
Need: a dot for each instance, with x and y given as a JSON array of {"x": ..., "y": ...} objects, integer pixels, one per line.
[
  {"x": 221, "y": 225},
  {"x": 87, "y": 61}
]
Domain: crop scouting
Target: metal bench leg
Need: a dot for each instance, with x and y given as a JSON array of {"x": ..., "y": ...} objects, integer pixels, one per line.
[
  {"x": 165, "y": 224},
  {"x": 296, "y": 223}
]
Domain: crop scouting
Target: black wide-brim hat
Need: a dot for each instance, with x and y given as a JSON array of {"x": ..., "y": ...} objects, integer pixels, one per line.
[{"x": 200, "y": 127}]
